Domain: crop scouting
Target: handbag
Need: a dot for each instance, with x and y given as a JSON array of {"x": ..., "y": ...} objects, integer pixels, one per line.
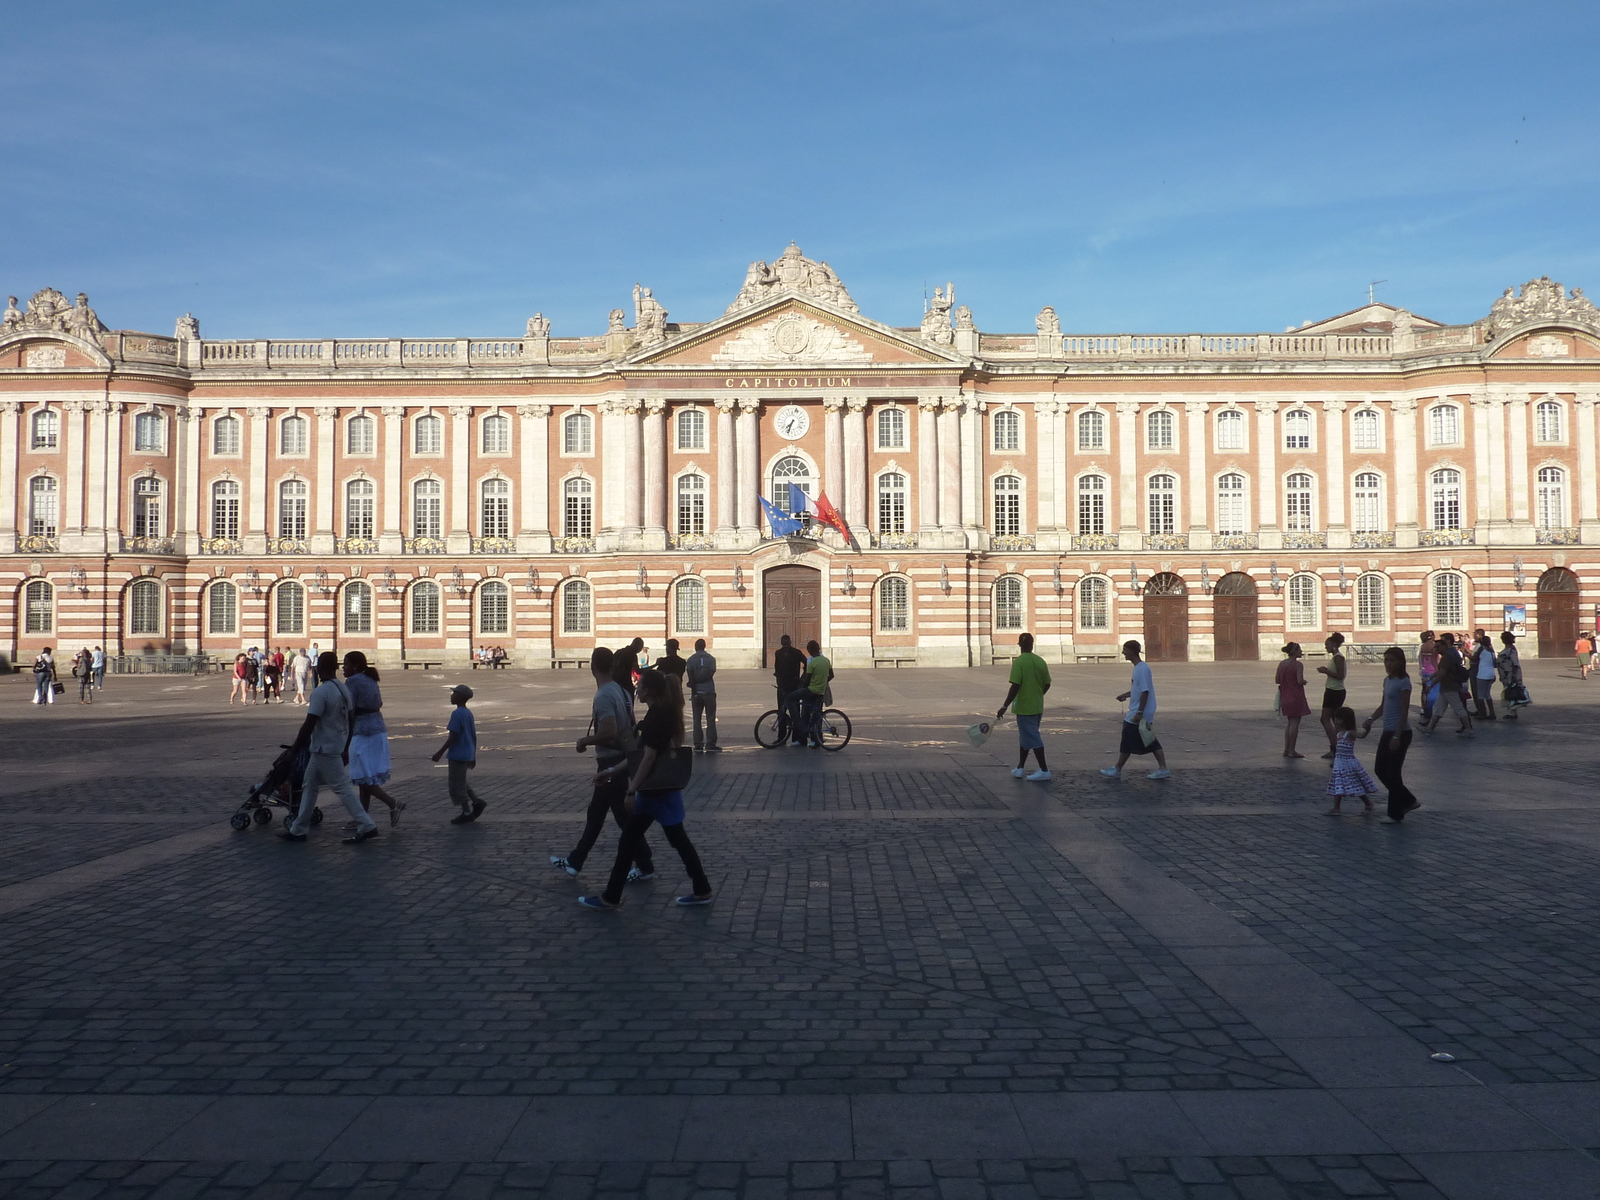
[
  {"x": 58, "y": 687},
  {"x": 669, "y": 773}
]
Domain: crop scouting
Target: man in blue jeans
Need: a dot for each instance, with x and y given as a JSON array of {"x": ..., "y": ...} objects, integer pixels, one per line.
[{"x": 807, "y": 700}]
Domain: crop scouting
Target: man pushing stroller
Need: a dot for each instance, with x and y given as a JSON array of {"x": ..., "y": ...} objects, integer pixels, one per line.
[{"x": 326, "y": 731}]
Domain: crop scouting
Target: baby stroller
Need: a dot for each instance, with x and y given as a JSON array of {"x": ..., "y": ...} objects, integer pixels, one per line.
[{"x": 287, "y": 773}]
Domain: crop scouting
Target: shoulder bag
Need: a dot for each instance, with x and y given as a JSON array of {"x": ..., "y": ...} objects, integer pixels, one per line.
[{"x": 669, "y": 773}]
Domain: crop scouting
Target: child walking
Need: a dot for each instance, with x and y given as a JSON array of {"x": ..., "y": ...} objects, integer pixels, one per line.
[
  {"x": 1349, "y": 777},
  {"x": 461, "y": 745}
]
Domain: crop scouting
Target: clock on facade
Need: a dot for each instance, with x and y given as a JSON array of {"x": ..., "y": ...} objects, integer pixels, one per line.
[{"x": 792, "y": 422}]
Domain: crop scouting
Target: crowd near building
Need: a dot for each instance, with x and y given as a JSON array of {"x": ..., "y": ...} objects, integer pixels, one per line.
[{"x": 1375, "y": 473}]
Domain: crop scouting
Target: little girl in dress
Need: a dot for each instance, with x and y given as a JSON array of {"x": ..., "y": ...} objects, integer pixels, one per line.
[{"x": 1349, "y": 778}]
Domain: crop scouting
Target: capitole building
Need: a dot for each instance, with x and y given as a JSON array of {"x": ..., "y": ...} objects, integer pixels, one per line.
[{"x": 1213, "y": 495}]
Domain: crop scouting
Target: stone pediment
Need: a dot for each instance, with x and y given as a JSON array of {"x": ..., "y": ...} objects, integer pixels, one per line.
[{"x": 29, "y": 350}]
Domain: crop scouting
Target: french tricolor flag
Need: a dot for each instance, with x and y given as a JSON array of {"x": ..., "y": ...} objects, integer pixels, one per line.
[{"x": 820, "y": 508}]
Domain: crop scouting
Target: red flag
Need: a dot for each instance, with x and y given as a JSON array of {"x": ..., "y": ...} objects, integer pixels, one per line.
[{"x": 829, "y": 515}]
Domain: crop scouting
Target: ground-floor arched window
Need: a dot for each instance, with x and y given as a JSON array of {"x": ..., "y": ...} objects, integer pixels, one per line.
[
  {"x": 577, "y": 607},
  {"x": 1008, "y": 612}
]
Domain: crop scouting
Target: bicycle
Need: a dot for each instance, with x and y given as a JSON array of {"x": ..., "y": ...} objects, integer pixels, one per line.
[{"x": 829, "y": 726}]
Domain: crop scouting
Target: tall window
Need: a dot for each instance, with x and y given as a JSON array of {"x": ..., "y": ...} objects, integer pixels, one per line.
[
  {"x": 144, "y": 607},
  {"x": 293, "y": 435},
  {"x": 290, "y": 607},
  {"x": 40, "y": 601},
  {"x": 1448, "y": 610},
  {"x": 360, "y": 509},
  {"x": 894, "y": 605},
  {"x": 1091, "y": 430},
  {"x": 891, "y": 429},
  {"x": 1007, "y": 505},
  {"x": 577, "y": 509},
  {"x": 1302, "y": 602},
  {"x": 1094, "y": 608},
  {"x": 1162, "y": 504},
  {"x": 1091, "y": 505},
  {"x": 1365, "y": 433},
  {"x": 1230, "y": 504},
  {"x": 577, "y": 607},
  {"x": 147, "y": 430},
  {"x": 1230, "y": 429},
  {"x": 497, "y": 434},
  {"x": 891, "y": 503},
  {"x": 691, "y": 424},
  {"x": 425, "y": 607},
  {"x": 222, "y": 608},
  {"x": 1159, "y": 430},
  {"x": 42, "y": 506},
  {"x": 1551, "y": 499},
  {"x": 225, "y": 509},
  {"x": 1297, "y": 502},
  {"x": 361, "y": 436},
  {"x": 427, "y": 509},
  {"x": 1547, "y": 421},
  {"x": 225, "y": 435},
  {"x": 1371, "y": 603},
  {"x": 496, "y": 508},
  {"x": 357, "y": 607},
  {"x": 292, "y": 498},
  {"x": 1297, "y": 429},
  {"x": 46, "y": 430},
  {"x": 1007, "y": 430},
  {"x": 428, "y": 437},
  {"x": 1368, "y": 503},
  {"x": 691, "y": 504},
  {"x": 1008, "y": 603},
  {"x": 147, "y": 514},
  {"x": 1444, "y": 425},
  {"x": 689, "y": 605},
  {"x": 494, "y": 607},
  {"x": 1445, "y": 494},
  {"x": 790, "y": 469},
  {"x": 577, "y": 433}
]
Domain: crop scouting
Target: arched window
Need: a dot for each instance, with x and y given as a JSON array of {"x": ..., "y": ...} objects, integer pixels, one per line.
[
  {"x": 1008, "y": 603},
  {"x": 497, "y": 434},
  {"x": 360, "y": 509},
  {"x": 1159, "y": 430},
  {"x": 43, "y": 505},
  {"x": 791, "y": 469},
  {"x": 1297, "y": 502},
  {"x": 428, "y": 435},
  {"x": 225, "y": 509},
  {"x": 691, "y": 425},
  {"x": 1231, "y": 514},
  {"x": 148, "y": 428},
  {"x": 222, "y": 608},
  {"x": 144, "y": 608},
  {"x": 39, "y": 599},
  {"x": 425, "y": 607},
  {"x": 46, "y": 430},
  {"x": 1444, "y": 425},
  {"x": 1162, "y": 503},
  {"x": 1008, "y": 430},
  {"x": 1094, "y": 608},
  {"x": 1091, "y": 505},
  {"x": 357, "y": 607},
  {"x": 1371, "y": 603},
  {"x": 577, "y": 508},
  {"x": 290, "y": 607},
  {"x": 577, "y": 433},
  {"x": 691, "y": 505},
  {"x": 147, "y": 510},
  {"x": 1007, "y": 505},
  {"x": 894, "y": 605},
  {"x": 577, "y": 607},
  {"x": 1365, "y": 432},
  {"x": 361, "y": 436},
  {"x": 494, "y": 607},
  {"x": 689, "y": 605},
  {"x": 1302, "y": 595},
  {"x": 1445, "y": 497},
  {"x": 496, "y": 508},
  {"x": 427, "y": 509},
  {"x": 1551, "y": 498},
  {"x": 1230, "y": 429},
  {"x": 1091, "y": 430},
  {"x": 225, "y": 435},
  {"x": 1368, "y": 506},
  {"x": 293, "y": 435},
  {"x": 1447, "y": 594},
  {"x": 292, "y": 499},
  {"x": 891, "y": 429},
  {"x": 1547, "y": 421},
  {"x": 891, "y": 503},
  {"x": 1297, "y": 429}
]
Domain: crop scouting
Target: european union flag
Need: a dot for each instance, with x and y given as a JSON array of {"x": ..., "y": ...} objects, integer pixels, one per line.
[{"x": 782, "y": 523}]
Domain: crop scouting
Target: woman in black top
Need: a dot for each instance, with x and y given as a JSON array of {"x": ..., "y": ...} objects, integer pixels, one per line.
[{"x": 661, "y": 732}]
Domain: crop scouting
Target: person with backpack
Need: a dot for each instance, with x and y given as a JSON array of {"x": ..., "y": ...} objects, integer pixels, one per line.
[
  {"x": 1449, "y": 676},
  {"x": 44, "y": 678}
]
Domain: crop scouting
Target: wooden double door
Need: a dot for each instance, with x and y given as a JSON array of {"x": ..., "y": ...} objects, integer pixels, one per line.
[
  {"x": 791, "y": 600},
  {"x": 1557, "y": 613},
  {"x": 1235, "y": 627},
  {"x": 1166, "y": 620}
]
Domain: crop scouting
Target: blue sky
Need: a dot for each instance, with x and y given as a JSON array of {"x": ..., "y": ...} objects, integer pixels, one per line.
[{"x": 362, "y": 169}]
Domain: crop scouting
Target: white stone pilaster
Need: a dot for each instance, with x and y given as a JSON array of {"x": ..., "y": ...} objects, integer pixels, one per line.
[
  {"x": 74, "y": 451},
  {"x": 1517, "y": 418},
  {"x": 189, "y": 428},
  {"x": 1266, "y": 483},
  {"x": 1588, "y": 482},
  {"x": 633, "y": 470},
  {"x": 1499, "y": 504},
  {"x": 1127, "y": 523},
  {"x": 1403, "y": 415},
  {"x": 748, "y": 439},
  {"x": 855, "y": 465},
  {"x": 458, "y": 522},
  {"x": 255, "y": 526},
  {"x": 392, "y": 538},
  {"x": 10, "y": 499},
  {"x": 1483, "y": 481},
  {"x": 1196, "y": 431},
  {"x": 973, "y": 484},
  {"x": 534, "y": 447},
  {"x": 325, "y": 520},
  {"x": 950, "y": 463},
  {"x": 655, "y": 474},
  {"x": 727, "y": 480},
  {"x": 1334, "y": 484},
  {"x": 927, "y": 463},
  {"x": 92, "y": 539},
  {"x": 114, "y": 481},
  {"x": 833, "y": 447}
]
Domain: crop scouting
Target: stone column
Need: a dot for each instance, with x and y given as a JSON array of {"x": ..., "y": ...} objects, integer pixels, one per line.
[
  {"x": 256, "y": 515},
  {"x": 534, "y": 537},
  {"x": 1518, "y": 450},
  {"x": 1499, "y": 505},
  {"x": 749, "y": 453},
  {"x": 1048, "y": 460},
  {"x": 950, "y": 463},
  {"x": 188, "y": 486},
  {"x": 855, "y": 467},
  {"x": 1334, "y": 483},
  {"x": 1483, "y": 481},
  {"x": 973, "y": 486},
  {"x": 10, "y": 501},
  {"x": 1403, "y": 411},
  {"x": 326, "y": 522},
  {"x": 69, "y": 521},
  {"x": 92, "y": 540},
  {"x": 633, "y": 469},
  {"x": 459, "y": 521},
  {"x": 113, "y": 475},
  {"x": 727, "y": 481},
  {"x": 1588, "y": 506},
  {"x": 1128, "y": 525},
  {"x": 1199, "y": 506},
  {"x": 833, "y": 448},
  {"x": 655, "y": 474},
  {"x": 610, "y": 504},
  {"x": 391, "y": 538},
  {"x": 927, "y": 463},
  {"x": 1268, "y": 533}
]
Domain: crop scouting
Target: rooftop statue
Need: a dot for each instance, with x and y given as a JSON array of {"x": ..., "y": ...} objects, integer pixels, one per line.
[
  {"x": 51, "y": 312},
  {"x": 793, "y": 272},
  {"x": 1541, "y": 299},
  {"x": 936, "y": 321},
  {"x": 649, "y": 317}
]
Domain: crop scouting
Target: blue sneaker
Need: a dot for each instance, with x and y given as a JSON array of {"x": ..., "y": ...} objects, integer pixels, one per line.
[
  {"x": 695, "y": 901},
  {"x": 598, "y": 902}
]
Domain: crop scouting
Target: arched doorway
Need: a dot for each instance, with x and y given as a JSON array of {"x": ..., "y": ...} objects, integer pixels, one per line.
[
  {"x": 1233, "y": 608},
  {"x": 791, "y": 602},
  {"x": 1166, "y": 619},
  {"x": 1557, "y": 613}
]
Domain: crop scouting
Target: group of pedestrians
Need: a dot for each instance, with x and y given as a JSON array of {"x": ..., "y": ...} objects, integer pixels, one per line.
[
  {"x": 802, "y": 679},
  {"x": 261, "y": 675},
  {"x": 88, "y": 668}
]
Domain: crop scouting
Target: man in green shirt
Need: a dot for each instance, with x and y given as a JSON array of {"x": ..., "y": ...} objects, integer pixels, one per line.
[
  {"x": 813, "y": 687},
  {"x": 1030, "y": 680}
]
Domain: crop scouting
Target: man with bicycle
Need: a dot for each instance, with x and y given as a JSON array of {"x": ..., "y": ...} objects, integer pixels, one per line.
[
  {"x": 788, "y": 665},
  {"x": 809, "y": 698}
]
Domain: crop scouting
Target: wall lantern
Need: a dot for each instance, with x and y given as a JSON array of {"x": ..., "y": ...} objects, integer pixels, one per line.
[
  {"x": 1276, "y": 586},
  {"x": 388, "y": 581},
  {"x": 944, "y": 578},
  {"x": 643, "y": 582},
  {"x": 738, "y": 577},
  {"x": 252, "y": 580},
  {"x": 1055, "y": 578},
  {"x": 1517, "y": 577},
  {"x": 1343, "y": 587},
  {"x": 533, "y": 579},
  {"x": 458, "y": 582},
  {"x": 849, "y": 580},
  {"x": 1133, "y": 578},
  {"x": 1205, "y": 578},
  {"x": 322, "y": 581},
  {"x": 80, "y": 581}
]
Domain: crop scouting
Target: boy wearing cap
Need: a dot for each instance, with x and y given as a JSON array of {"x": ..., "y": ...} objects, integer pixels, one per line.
[{"x": 461, "y": 752}]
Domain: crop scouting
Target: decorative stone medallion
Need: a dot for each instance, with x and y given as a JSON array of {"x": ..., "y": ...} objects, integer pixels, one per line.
[{"x": 791, "y": 336}]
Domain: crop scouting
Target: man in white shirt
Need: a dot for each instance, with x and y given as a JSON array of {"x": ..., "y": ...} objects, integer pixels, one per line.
[
  {"x": 327, "y": 728},
  {"x": 1138, "y": 724}
]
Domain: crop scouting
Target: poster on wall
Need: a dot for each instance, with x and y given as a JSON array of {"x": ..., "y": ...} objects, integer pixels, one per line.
[{"x": 1517, "y": 619}]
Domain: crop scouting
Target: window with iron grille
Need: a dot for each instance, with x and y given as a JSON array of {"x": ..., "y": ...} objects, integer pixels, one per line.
[
  {"x": 291, "y": 607},
  {"x": 689, "y": 606},
  {"x": 222, "y": 608},
  {"x": 144, "y": 608},
  {"x": 577, "y": 603},
  {"x": 894, "y": 605},
  {"x": 494, "y": 608},
  {"x": 1008, "y": 603},
  {"x": 357, "y": 607},
  {"x": 1448, "y": 610},
  {"x": 425, "y": 607},
  {"x": 40, "y": 600},
  {"x": 1302, "y": 602},
  {"x": 1094, "y": 609},
  {"x": 1371, "y": 603}
]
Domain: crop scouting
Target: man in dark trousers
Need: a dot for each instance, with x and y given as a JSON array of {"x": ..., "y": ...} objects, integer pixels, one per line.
[
  {"x": 702, "y": 670},
  {"x": 625, "y": 665},
  {"x": 672, "y": 663},
  {"x": 788, "y": 664}
]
